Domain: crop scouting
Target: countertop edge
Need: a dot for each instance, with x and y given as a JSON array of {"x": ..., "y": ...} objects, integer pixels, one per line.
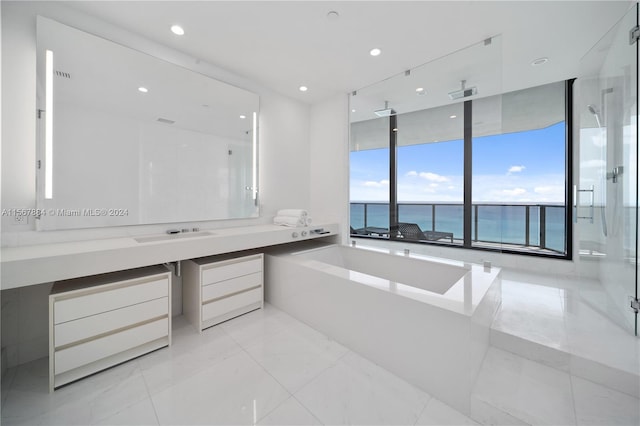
[{"x": 58, "y": 261}]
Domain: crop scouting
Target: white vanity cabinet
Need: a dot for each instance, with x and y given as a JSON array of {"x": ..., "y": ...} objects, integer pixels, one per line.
[
  {"x": 218, "y": 288},
  {"x": 99, "y": 321}
]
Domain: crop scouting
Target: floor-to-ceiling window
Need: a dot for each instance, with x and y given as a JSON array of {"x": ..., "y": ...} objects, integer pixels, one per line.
[
  {"x": 430, "y": 172},
  {"x": 369, "y": 177},
  {"x": 519, "y": 172},
  {"x": 487, "y": 173}
]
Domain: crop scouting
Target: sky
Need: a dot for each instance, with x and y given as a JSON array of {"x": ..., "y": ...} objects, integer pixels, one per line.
[{"x": 524, "y": 166}]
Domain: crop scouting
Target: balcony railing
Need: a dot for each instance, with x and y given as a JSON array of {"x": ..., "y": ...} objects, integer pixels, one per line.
[{"x": 528, "y": 227}]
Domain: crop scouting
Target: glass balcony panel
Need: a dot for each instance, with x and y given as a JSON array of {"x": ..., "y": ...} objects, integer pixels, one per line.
[
  {"x": 555, "y": 229},
  {"x": 420, "y": 214}
]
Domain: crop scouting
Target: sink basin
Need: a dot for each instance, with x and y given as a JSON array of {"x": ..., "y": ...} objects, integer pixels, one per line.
[{"x": 169, "y": 237}]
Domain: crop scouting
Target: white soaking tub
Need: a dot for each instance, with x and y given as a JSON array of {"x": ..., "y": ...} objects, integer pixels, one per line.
[{"x": 426, "y": 320}]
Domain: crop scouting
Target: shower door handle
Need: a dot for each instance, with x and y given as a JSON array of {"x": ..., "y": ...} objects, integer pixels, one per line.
[{"x": 576, "y": 204}]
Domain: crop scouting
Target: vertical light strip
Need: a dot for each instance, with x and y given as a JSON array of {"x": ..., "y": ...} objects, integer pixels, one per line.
[
  {"x": 255, "y": 412},
  {"x": 48, "y": 128},
  {"x": 254, "y": 185}
]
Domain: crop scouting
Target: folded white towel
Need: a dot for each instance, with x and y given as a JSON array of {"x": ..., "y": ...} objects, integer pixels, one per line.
[
  {"x": 292, "y": 213},
  {"x": 289, "y": 221},
  {"x": 292, "y": 221}
]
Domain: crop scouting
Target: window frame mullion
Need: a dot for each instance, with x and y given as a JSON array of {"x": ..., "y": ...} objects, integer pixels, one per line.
[
  {"x": 393, "y": 177},
  {"x": 468, "y": 174}
]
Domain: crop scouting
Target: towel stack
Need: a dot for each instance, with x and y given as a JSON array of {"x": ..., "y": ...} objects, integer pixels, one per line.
[{"x": 292, "y": 217}]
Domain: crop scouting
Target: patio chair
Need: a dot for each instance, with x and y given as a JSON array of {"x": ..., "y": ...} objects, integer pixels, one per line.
[
  {"x": 412, "y": 231},
  {"x": 359, "y": 231}
]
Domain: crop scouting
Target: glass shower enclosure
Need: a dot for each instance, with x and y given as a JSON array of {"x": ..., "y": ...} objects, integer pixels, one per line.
[{"x": 606, "y": 193}]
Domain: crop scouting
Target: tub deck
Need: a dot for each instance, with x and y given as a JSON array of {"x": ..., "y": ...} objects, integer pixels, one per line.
[{"x": 434, "y": 335}]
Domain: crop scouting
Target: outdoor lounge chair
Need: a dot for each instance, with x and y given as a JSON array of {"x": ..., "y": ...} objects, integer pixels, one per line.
[
  {"x": 359, "y": 231},
  {"x": 411, "y": 231}
]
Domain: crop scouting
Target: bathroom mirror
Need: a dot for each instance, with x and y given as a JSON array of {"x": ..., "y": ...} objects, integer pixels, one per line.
[{"x": 125, "y": 138}]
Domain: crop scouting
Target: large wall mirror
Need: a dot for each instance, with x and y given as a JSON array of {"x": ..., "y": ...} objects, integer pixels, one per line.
[{"x": 125, "y": 138}]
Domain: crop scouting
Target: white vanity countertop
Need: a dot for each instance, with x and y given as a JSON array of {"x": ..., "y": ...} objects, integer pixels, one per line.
[{"x": 27, "y": 265}]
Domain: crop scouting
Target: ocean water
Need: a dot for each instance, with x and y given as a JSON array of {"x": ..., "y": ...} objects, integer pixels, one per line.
[{"x": 496, "y": 223}]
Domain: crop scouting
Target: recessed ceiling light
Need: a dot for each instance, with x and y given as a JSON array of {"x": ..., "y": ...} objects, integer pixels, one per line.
[
  {"x": 539, "y": 61},
  {"x": 375, "y": 52},
  {"x": 143, "y": 89},
  {"x": 242, "y": 117},
  {"x": 333, "y": 15},
  {"x": 420, "y": 91},
  {"x": 452, "y": 116},
  {"x": 303, "y": 88},
  {"x": 177, "y": 30},
  {"x": 353, "y": 110}
]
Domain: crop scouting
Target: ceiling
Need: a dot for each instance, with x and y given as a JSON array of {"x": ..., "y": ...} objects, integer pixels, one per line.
[{"x": 283, "y": 45}]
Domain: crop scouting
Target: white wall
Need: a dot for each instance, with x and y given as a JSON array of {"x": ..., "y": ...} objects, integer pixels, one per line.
[
  {"x": 329, "y": 161},
  {"x": 284, "y": 154}
]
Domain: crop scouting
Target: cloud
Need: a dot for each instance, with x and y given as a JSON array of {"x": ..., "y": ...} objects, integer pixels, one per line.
[
  {"x": 544, "y": 189},
  {"x": 412, "y": 173},
  {"x": 411, "y": 189},
  {"x": 549, "y": 192},
  {"x": 374, "y": 184},
  {"x": 514, "y": 192},
  {"x": 433, "y": 177},
  {"x": 515, "y": 169},
  {"x": 492, "y": 188},
  {"x": 547, "y": 188}
]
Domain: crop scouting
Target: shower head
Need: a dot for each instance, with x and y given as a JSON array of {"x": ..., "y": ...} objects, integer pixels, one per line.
[
  {"x": 386, "y": 112},
  {"x": 464, "y": 92},
  {"x": 594, "y": 110}
]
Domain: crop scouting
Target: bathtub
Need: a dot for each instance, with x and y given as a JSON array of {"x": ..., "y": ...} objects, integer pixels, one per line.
[{"x": 426, "y": 320}]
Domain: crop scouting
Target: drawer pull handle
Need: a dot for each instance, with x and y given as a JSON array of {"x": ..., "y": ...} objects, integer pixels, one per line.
[
  {"x": 226, "y": 296},
  {"x": 109, "y": 333}
]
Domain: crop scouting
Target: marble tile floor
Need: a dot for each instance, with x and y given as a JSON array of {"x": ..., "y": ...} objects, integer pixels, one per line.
[
  {"x": 561, "y": 322},
  {"x": 268, "y": 368},
  {"x": 512, "y": 390},
  {"x": 262, "y": 368}
]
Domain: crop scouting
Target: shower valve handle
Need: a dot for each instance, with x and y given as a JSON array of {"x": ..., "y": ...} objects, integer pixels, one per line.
[{"x": 613, "y": 174}]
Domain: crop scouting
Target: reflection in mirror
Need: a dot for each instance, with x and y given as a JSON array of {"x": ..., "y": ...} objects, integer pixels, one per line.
[{"x": 126, "y": 138}]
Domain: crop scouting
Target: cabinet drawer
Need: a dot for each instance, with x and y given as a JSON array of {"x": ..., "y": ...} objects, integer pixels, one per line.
[
  {"x": 228, "y": 304},
  {"x": 88, "y": 327},
  {"x": 220, "y": 289},
  {"x": 94, "y": 350},
  {"x": 213, "y": 274},
  {"x": 108, "y": 300}
]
